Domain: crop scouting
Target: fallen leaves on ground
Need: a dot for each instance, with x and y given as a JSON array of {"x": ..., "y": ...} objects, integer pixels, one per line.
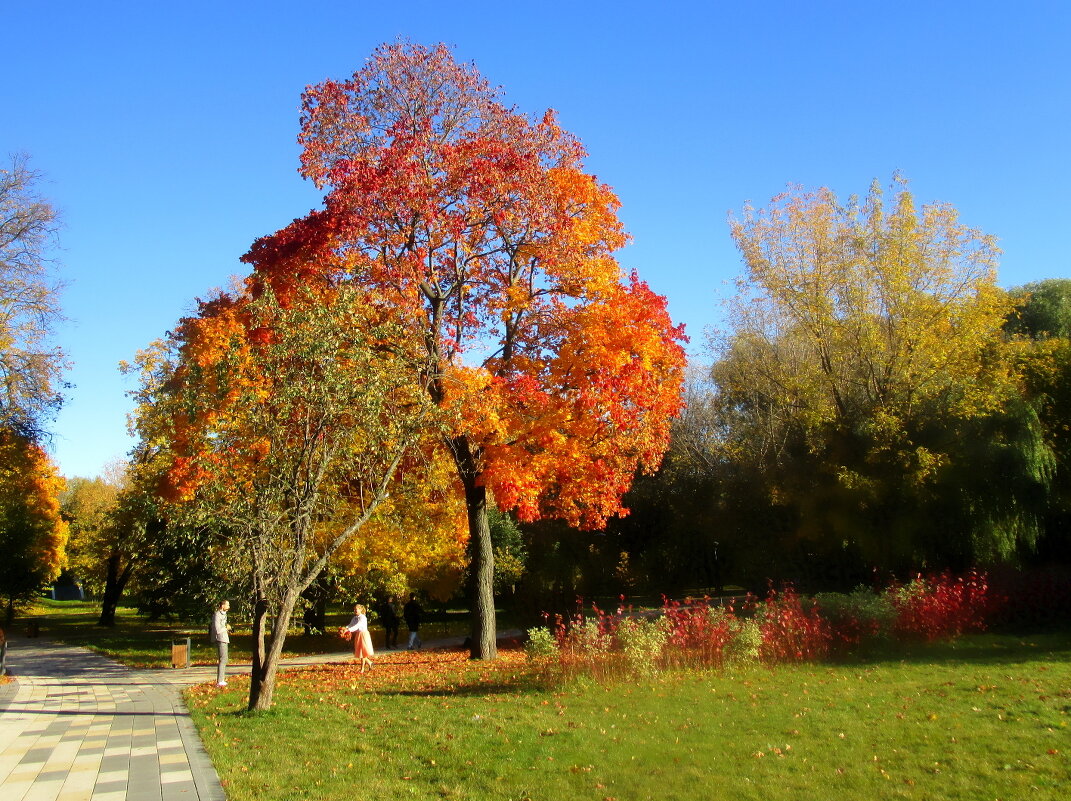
[{"x": 430, "y": 671}]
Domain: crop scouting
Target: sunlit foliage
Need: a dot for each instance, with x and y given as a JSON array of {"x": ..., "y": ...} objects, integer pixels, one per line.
[
  {"x": 481, "y": 228},
  {"x": 32, "y": 532}
]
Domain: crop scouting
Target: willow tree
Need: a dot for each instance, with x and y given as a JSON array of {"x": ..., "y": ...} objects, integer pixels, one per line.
[
  {"x": 866, "y": 354},
  {"x": 1041, "y": 324},
  {"x": 481, "y": 228}
]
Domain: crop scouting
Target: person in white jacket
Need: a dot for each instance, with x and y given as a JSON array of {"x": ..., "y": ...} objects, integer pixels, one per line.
[{"x": 220, "y": 633}]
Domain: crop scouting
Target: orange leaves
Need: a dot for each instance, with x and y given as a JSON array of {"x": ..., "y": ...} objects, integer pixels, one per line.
[
  {"x": 478, "y": 230},
  {"x": 423, "y": 671},
  {"x": 33, "y": 536},
  {"x": 482, "y": 229},
  {"x": 582, "y": 420}
]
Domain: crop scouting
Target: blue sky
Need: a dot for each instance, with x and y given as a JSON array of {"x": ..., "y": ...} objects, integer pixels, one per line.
[{"x": 167, "y": 134}]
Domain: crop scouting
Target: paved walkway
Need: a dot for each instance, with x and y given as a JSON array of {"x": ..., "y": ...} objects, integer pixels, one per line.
[{"x": 77, "y": 726}]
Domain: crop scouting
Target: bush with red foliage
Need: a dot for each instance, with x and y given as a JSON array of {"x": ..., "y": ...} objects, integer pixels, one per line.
[
  {"x": 790, "y": 632},
  {"x": 782, "y": 628},
  {"x": 699, "y": 633},
  {"x": 941, "y": 606}
]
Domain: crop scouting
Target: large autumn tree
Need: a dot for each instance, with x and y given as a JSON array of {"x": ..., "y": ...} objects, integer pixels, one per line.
[
  {"x": 867, "y": 373},
  {"x": 480, "y": 226},
  {"x": 32, "y": 535}
]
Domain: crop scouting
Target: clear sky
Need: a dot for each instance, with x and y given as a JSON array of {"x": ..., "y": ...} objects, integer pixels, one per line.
[{"x": 167, "y": 134}]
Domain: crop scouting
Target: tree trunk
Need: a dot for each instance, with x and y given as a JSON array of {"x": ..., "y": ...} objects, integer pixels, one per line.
[
  {"x": 113, "y": 589},
  {"x": 266, "y": 661},
  {"x": 481, "y": 575},
  {"x": 481, "y": 555},
  {"x": 257, "y": 674}
]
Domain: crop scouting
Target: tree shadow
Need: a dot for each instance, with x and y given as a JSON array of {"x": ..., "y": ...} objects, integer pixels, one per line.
[
  {"x": 467, "y": 690},
  {"x": 976, "y": 649}
]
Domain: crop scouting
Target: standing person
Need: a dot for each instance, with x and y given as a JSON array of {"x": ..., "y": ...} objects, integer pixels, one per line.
[
  {"x": 220, "y": 633},
  {"x": 388, "y": 616},
  {"x": 412, "y": 613},
  {"x": 362, "y": 640},
  {"x": 308, "y": 620}
]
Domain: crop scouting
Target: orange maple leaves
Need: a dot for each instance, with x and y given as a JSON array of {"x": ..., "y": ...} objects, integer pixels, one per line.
[{"x": 480, "y": 228}]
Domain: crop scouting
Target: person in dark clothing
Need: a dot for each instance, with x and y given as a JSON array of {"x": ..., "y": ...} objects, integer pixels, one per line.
[
  {"x": 388, "y": 616},
  {"x": 412, "y": 613}
]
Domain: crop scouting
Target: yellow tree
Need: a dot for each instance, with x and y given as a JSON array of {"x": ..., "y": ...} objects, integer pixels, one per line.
[
  {"x": 865, "y": 340},
  {"x": 86, "y": 504},
  {"x": 32, "y": 532},
  {"x": 417, "y": 538}
]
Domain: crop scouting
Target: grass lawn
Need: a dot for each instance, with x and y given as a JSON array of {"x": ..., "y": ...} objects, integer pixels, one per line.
[
  {"x": 986, "y": 718},
  {"x": 140, "y": 644}
]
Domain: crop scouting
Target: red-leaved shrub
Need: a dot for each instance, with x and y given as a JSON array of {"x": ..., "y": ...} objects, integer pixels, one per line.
[{"x": 939, "y": 606}]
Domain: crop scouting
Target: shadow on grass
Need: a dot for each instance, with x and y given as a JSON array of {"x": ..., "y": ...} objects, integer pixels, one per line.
[
  {"x": 466, "y": 691},
  {"x": 978, "y": 649},
  {"x": 518, "y": 685}
]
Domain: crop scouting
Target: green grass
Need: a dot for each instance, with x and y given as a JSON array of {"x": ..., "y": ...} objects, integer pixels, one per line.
[
  {"x": 986, "y": 718},
  {"x": 138, "y": 643}
]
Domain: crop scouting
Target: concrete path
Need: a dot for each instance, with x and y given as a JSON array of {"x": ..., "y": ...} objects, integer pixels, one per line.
[{"x": 77, "y": 726}]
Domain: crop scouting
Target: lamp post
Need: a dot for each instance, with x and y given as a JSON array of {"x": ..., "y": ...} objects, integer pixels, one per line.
[{"x": 717, "y": 571}]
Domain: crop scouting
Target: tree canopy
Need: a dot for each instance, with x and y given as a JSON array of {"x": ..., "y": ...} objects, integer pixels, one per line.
[
  {"x": 32, "y": 532},
  {"x": 282, "y": 427},
  {"x": 867, "y": 371},
  {"x": 481, "y": 228},
  {"x": 30, "y": 367}
]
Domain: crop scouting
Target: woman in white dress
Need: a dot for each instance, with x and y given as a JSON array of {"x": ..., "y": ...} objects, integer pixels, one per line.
[{"x": 362, "y": 640}]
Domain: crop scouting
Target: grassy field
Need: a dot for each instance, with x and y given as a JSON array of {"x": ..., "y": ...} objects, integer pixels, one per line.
[
  {"x": 986, "y": 718},
  {"x": 136, "y": 643}
]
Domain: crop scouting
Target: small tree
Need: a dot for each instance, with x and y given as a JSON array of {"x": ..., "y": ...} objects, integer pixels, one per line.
[
  {"x": 285, "y": 425},
  {"x": 32, "y": 532}
]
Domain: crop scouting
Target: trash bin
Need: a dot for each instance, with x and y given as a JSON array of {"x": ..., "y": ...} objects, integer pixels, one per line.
[
  {"x": 180, "y": 653},
  {"x": 33, "y": 629}
]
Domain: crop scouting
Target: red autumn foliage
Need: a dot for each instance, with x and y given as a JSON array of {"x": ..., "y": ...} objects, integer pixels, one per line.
[
  {"x": 782, "y": 628},
  {"x": 698, "y": 636},
  {"x": 791, "y": 632},
  {"x": 942, "y": 606}
]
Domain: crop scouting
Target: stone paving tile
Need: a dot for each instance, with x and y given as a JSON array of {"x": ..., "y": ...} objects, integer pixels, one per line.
[{"x": 76, "y": 726}]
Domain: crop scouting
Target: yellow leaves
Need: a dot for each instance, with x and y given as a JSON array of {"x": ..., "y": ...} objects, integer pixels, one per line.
[
  {"x": 34, "y": 535},
  {"x": 867, "y": 311},
  {"x": 887, "y": 306}
]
